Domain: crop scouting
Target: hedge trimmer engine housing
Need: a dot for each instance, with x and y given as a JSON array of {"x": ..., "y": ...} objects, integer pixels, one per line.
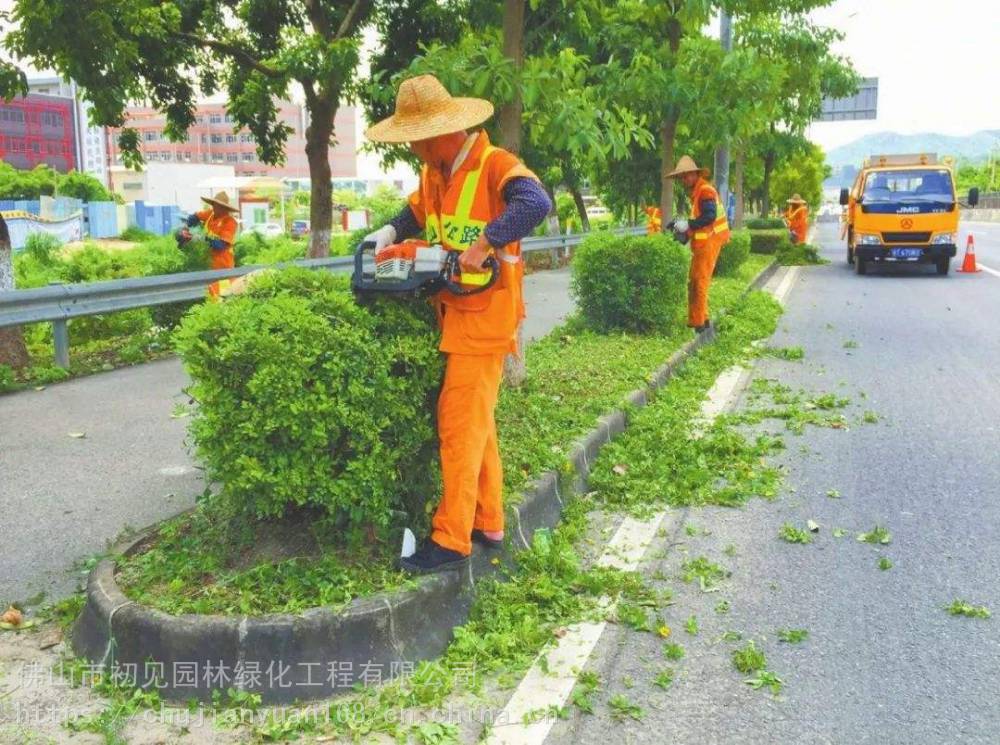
[{"x": 413, "y": 267}]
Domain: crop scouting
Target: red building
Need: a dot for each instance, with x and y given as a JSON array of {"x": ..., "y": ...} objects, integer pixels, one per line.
[
  {"x": 211, "y": 139},
  {"x": 38, "y": 129}
]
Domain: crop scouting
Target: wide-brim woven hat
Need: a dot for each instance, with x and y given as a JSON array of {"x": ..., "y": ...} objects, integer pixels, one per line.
[
  {"x": 221, "y": 199},
  {"x": 795, "y": 199},
  {"x": 425, "y": 109},
  {"x": 687, "y": 165}
]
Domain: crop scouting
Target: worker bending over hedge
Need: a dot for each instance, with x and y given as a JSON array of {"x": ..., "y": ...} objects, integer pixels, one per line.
[
  {"x": 797, "y": 218},
  {"x": 480, "y": 200}
]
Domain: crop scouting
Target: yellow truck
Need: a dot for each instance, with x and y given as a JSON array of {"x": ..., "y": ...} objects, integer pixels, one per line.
[{"x": 903, "y": 209}]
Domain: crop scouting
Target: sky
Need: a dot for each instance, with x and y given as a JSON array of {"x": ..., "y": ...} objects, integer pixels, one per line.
[{"x": 937, "y": 65}]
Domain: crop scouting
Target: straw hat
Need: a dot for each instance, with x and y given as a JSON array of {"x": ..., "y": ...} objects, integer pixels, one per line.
[
  {"x": 221, "y": 199},
  {"x": 424, "y": 109},
  {"x": 686, "y": 165},
  {"x": 795, "y": 199}
]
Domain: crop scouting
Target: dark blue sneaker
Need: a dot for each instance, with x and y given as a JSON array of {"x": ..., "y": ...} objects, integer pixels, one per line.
[{"x": 431, "y": 558}]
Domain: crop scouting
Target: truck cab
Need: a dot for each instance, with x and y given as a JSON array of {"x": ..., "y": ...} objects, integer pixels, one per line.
[{"x": 903, "y": 208}]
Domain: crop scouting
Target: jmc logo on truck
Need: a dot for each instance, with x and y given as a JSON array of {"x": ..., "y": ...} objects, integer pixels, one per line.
[{"x": 891, "y": 186}]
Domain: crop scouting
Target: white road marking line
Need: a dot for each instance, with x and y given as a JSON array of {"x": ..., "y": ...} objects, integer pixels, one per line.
[
  {"x": 785, "y": 285},
  {"x": 986, "y": 269},
  {"x": 551, "y": 683}
]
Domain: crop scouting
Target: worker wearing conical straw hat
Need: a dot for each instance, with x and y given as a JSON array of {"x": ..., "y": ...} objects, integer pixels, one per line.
[
  {"x": 797, "y": 218},
  {"x": 220, "y": 232},
  {"x": 708, "y": 230},
  {"x": 479, "y": 200}
]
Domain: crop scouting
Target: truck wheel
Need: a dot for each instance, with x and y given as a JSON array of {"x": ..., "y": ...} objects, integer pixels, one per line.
[
  {"x": 860, "y": 267},
  {"x": 943, "y": 265}
]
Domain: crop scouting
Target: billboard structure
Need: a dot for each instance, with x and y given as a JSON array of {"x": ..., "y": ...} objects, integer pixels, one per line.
[{"x": 863, "y": 105}]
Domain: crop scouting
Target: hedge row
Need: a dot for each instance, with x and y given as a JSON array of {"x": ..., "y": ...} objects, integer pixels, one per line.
[{"x": 768, "y": 242}]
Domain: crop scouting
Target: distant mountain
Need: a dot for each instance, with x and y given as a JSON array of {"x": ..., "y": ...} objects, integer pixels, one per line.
[
  {"x": 973, "y": 147},
  {"x": 844, "y": 160}
]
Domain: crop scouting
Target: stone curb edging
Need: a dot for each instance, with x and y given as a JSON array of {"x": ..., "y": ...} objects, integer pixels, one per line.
[{"x": 321, "y": 652}]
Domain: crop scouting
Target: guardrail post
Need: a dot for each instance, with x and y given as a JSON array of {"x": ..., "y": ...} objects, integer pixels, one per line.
[{"x": 60, "y": 339}]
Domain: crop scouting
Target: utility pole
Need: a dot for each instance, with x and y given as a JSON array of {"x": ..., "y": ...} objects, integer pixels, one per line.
[{"x": 722, "y": 152}]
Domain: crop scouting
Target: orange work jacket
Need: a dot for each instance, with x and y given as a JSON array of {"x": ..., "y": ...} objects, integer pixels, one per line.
[{"x": 716, "y": 234}]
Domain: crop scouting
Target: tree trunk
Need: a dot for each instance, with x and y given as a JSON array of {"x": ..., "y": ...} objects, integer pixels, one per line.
[
  {"x": 513, "y": 49},
  {"x": 318, "y": 136},
  {"x": 765, "y": 197},
  {"x": 12, "y": 350},
  {"x": 740, "y": 156},
  {"x": 581, "y": 207},
  {"x": 668, "y": 132}
]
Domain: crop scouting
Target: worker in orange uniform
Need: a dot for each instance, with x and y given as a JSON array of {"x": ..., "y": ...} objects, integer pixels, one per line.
[
  {"x": 481, "y": 201},
  {"x": 797, "y": 218},
  {"x": 654, "y": 220},
  {"x": 708, "y": 230},
  {"x": 220, "y": 232}
]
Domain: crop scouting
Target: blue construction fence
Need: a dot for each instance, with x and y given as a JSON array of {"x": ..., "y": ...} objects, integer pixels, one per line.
[{"x": 100, "y": 219}]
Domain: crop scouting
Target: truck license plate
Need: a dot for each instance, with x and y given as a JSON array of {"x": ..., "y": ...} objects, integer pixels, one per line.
[{"x": 906, "y": 253}]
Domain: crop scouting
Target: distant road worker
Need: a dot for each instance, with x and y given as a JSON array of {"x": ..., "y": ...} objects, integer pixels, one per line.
[
  {"x": 654, "y": 220},
  {"x": 797, "y": 218},
  {"x": 708, "y": 230},
  {"x": 481, "y": 201},
  {"x": 220, "y": 232}
]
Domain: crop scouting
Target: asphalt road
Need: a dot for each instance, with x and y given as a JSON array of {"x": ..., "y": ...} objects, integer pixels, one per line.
[
  {"x": 64, "y": 498},
  {"x": 883, "y": 662}
]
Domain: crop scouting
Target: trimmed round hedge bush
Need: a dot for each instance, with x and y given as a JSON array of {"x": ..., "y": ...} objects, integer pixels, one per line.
[
  {"x": 733, "y": 254},
  {"x": 764, "y": 223},
  {"x": 305, "y": 398},
  {"x": 630, "y": 283},
  {"x": 768, "y": 241}
]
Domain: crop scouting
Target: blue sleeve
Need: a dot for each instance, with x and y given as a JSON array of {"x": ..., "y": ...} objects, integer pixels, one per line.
[
  {"x": 193, "y": 221},
  {"x": 217, "y": 244},
  {"x": 527, "y": 206},
  {"x": 707, "y": 214},
  {"x": 406, "y": 224}
]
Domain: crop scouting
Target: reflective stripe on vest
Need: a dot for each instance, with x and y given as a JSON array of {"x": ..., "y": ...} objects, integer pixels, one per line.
[
  {"x": 458, "y": 231},
  {"x": 721, "y": 224}
]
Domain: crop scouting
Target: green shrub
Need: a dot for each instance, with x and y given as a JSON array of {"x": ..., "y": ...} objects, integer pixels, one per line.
[
  {"x": 253, "y": 248},
  {"x": 136, "y": 234},
  {"x": 764, "y": 223},
  {"x": 630, "y": 283},
  {"x": 7, "y": 381},
  {"x": 733, "y": 254},
  {"x": 306, "y": 398},
  {"x": 768, "y": 241},
  {"x": 43, "y": 248}
]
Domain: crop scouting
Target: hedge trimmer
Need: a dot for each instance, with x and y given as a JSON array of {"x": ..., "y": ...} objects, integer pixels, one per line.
[{"x": 413, "y": 267}]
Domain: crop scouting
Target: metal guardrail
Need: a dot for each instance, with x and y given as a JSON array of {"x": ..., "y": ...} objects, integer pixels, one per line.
[{"x": 58, "y": 303}]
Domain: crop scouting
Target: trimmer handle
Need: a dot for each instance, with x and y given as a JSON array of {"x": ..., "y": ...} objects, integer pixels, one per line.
[{"x": 452, "y": 269}]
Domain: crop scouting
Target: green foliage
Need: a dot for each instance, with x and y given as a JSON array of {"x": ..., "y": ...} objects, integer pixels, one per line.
[
  {"x": 83, "y": 186},
  {"x": 879, "y": 535},
  {"x": 630, "y": 283},
  {"x": 764, "y": 223},
  {"x": 749, "y": 659},
  {"x": 793, "y": 636},
  {"x": 253, "y": 248},
  {"x": 7, "y": 380},
  {"x": 769, "y": 242},
  {"x": 306, "y": 398},
  {"x": 801, "y": 174},
  {"x": 799, "y": 254},
  {"x": 960, "y": 607},
  {"x": 136, "y": 234},
  {"x": 790, "y": 534},
  {"x": 734, "y": 253},
  {"x": 673, "y": 651},
  {"x": 43, "y": 248},
  {"x": 18, "y": 184}
]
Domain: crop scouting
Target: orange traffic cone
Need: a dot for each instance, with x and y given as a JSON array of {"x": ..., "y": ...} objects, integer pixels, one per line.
[{"x": 969, "y": 263}]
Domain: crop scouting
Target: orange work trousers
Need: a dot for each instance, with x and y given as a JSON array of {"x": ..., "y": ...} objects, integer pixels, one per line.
[
  {"x": 703, "y": 257},
  {"x": 470, "y": 455},
  {"x": 220, "y": 260}
]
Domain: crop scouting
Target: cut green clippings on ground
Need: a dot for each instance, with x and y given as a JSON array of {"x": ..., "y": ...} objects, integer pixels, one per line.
[
  {"x": 583, "y": 694},
  {"x": 673, "y": 651},
  {"x": 790, "y": 534},
  {"x": 731, "y": 636},
  {"x": 749, "y": 658},
  {"x": 704, "y": 571},
  {"x": 729, "y": 550},
  {"x": 664, "y": 679},
  {"x": 885, "y": 563},
  {"x": 785, "y": 353},
  {"x": 622, "y": 709},
  {"x": 770, "y": 399},
  {"x": 722, "y": 607},
  {"x": 878, "y": 535},
  {"x": 964, "y": 608},
  {"x": 792, "y": 636},
  {"x": 850, "y": 344},
  {"x": 833, "y": 494},
  {"x": 765, "y": 679},
  {"x": 870, "y": 417},
  {"x": 839, "y": 532},
  {"x": 691, "y": 625}
]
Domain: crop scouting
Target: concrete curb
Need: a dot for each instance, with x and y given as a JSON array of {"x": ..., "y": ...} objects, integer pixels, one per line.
[{"x": 325, "y": 651}]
